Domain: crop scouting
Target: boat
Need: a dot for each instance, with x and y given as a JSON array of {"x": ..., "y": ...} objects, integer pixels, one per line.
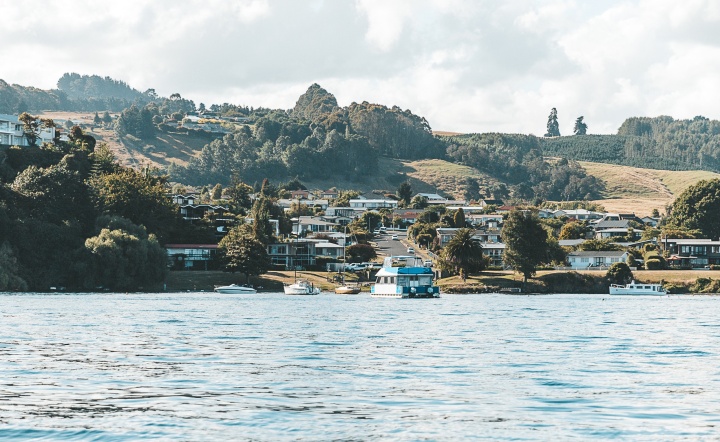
[
  {"x": 404, "y": 277},
  {"x": 636, "y": 288},
  {"x": 301, "y": 287},
  {"x": 234, "y": 289},
  {"x": 345, "y": 289}
]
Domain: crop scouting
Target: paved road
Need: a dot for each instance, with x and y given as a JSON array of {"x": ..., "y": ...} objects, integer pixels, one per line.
[{"x": 389, "y": 247}]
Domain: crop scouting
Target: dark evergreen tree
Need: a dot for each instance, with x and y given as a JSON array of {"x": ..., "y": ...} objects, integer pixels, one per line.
[
  {"x": 580, "y": 126},
  {"x": 553, "y": 128}
]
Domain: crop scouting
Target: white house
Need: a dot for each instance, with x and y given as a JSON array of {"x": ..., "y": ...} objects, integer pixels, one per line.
[
  {"x": 578, "y": 214},
  {"x": 373, "y": 204},
  {"x": 328, "y": 249},
  {"x": 589, "y": 260},
  {"x": 11, "y": 132}
]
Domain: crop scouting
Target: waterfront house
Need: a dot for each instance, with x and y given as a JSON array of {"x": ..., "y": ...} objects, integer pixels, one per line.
[
  {"x": 191, "y": 256},
  {"x": 695, "y": 253},
  {"x": 589, "y": 260},
  {"x": 295, "y": 254}
]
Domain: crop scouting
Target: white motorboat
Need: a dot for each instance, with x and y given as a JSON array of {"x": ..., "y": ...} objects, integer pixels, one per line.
[
  {"x": 301, "y": 287},
  {"x": 636, "y": 288},
  {"x": 414, "y": 280},
  {"x": 347, "y": 290},
  {"x": 234, "y": 289}
]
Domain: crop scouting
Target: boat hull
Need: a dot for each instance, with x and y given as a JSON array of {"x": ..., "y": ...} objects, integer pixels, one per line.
[
  {"x": 396, "y": 291},
  {"x": 235, "y": 290},
  {"x": 347, "y": 290},
  {"x": 637, "y": 289},
  {"x": 301, "y": 288}
]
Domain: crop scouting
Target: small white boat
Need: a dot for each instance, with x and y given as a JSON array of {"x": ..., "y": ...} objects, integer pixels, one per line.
[
  {"x": 347, "y": 290},
  {"x": 301, "y": 287},
  {"x": 636, "y": 288},
  {"x": 234, "y": 289}
]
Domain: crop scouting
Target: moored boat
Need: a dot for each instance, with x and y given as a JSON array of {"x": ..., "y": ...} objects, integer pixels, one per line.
[
  {"x": 347, "y": 290},
  {"x": 301, "y": 287},
  {"x": 404, "y": 277},
  {"x": 636, "y": 288},
  {"x": 234, "y": 289}
]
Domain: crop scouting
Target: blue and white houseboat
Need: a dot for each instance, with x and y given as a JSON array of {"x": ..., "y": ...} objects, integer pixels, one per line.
[{"x": 404, "y": 277}]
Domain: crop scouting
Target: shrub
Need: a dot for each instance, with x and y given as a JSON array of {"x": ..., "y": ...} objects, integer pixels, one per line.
[
  {"x": 705, "y": 285},
  {"x": 653, "y": 264}
]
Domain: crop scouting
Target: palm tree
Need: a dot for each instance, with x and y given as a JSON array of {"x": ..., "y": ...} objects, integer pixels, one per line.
[{"x": 463, "y": 254}]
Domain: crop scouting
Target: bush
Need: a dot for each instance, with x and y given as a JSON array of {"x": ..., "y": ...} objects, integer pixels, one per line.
[
  {"x": 714, "y": 267},
  {"x": 653, "y": 264},
  {"x": 705, "y": 285},
  {"x": 619, "y": 273}
]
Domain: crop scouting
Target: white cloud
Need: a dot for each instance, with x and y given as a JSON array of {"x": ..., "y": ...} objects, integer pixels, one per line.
[{"x": 466, "y": 65}]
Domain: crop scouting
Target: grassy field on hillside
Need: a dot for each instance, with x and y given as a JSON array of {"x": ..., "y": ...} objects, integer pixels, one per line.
[{"x": 631, "y": 189}]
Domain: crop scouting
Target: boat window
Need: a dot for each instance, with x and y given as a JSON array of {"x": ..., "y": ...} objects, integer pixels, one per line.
[
  {"x": 647, "y": 287},
  {"x": 402, "y": 280},
  {"x": 425, "y": 280}
]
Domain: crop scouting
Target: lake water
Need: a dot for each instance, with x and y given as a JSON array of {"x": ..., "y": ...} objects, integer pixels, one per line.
[{"x": 203, "y": 366}]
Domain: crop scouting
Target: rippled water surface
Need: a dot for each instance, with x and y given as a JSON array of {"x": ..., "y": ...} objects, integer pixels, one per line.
[{"x": 203, "y": 366}]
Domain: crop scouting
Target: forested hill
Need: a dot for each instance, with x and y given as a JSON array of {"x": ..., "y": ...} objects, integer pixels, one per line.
[
  {"x": 656, "y": 143},
  {"x": 88, "y": 93}
]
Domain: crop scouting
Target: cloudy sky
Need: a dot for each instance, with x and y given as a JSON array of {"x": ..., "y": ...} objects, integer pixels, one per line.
[{"x": 466, "y": 65}]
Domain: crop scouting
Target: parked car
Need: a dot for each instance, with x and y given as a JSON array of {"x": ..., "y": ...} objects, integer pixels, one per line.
[
  {"x": 428, "y": 263},
  {"x": 411, "y": 250},
  {"x": 395, "y": 237},
  {"x": 355, "y": 267}
]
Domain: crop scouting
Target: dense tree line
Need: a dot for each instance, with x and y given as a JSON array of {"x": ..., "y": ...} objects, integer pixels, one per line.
[
  {"x": 316, "y": 137},
  {"x": 71, "y": 217},
  {"x": 100, "y": 94},
  {"x": 658, "y": 143},
  {"x": 518, "y": 160}
]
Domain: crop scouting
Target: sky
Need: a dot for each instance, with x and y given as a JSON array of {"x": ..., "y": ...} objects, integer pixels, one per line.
[{"x": 465, "y": 65}]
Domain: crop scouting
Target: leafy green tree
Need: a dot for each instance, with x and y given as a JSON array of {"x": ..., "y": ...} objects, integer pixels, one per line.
[
  {"x": 419, "y": 202},
  {"x": 216, "y": 192},
  {"x": 459, "y": 218},
  {"x": 31, "y": 127},
  {"x": 553, "y": 128},
  {"x": 404, "y": 192},
  {"x": 573, "y": 230},
  {"x": 472, "y": 189},
  {"x": 239, "y": 194},
  {"x": 526, "y": 242},
  {"x": 462, "y": 254},
  {"x": 580, "y": 126},
  {"x": 122, "y": 256},
  {"x": 370, "y": 220},
  {"x": 619, "y": 273},
  {"x": 106, "y": 118},
  {"x": 139, "y": 197},
  {"x": 360, "y": 252},
  {"x": 242, "y": 252},
  {"x": 344, "y": 197},
  {"x": 261, "y": 226},
  {"x": 698, "y": 207}
]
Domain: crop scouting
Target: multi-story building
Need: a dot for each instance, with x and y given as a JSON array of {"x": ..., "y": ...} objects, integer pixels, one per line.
[{"x": 11, "y": 132}]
